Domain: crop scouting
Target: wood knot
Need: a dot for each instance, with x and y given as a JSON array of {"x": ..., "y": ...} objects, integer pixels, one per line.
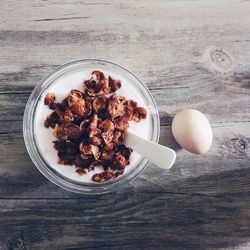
[
  {"x": 16, "y": 244},
  {"x": 218, "y": 60},
  {"x": 221, "y": 59},
  {"x": 240, "y": 144}
]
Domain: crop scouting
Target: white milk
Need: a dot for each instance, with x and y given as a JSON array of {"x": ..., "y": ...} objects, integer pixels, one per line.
[{"x": 61, "y": 88}]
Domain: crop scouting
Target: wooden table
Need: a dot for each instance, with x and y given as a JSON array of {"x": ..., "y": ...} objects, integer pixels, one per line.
[{"x": 190, "y": 54}]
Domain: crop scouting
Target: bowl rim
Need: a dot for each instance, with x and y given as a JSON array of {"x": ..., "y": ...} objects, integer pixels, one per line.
[{"x": 50, "y": 173}]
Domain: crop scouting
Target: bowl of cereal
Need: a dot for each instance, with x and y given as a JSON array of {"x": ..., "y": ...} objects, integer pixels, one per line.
[{"x": 74, "y": 125}]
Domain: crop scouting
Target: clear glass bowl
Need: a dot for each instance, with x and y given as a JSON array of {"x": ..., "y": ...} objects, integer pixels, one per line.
[{"x": 30, "y": 138}]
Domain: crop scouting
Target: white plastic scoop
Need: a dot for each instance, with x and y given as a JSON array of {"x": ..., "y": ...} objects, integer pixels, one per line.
[{"x": 160, "y": 155}]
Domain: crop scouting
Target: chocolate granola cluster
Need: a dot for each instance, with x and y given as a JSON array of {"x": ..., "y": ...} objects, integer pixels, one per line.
[{"x": 90, "y": 126}]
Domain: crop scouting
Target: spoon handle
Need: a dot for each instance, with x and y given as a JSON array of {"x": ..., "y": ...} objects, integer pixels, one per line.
[{"x": 160, "y": 155}]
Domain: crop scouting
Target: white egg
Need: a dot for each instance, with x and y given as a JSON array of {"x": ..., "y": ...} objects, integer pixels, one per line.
[{"x": 192, "y": 131}]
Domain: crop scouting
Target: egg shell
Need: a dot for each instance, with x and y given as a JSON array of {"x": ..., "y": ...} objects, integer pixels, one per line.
[{"x": 192, "y": 131}]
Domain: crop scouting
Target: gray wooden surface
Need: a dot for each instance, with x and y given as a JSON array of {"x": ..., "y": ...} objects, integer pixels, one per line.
[{"x": 190, "y": 54}]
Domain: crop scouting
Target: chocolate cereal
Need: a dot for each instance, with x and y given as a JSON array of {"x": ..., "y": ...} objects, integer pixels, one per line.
[{"x": 90, "y": 126}]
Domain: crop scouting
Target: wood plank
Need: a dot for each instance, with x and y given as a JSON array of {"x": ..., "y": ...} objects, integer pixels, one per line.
[
  {"x": 199, "y": 213},
  {"x": 174, "y": 32},
  {"x": 230, "y": 151},
  {"x": 221, "y": 100}
]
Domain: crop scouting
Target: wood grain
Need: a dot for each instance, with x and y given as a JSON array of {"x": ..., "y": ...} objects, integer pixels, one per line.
[
  {"x": 199, "y": 213},
  {"x": 190, "y": 54}
]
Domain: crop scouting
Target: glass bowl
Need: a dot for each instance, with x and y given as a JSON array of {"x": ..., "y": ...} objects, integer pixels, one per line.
[{"x": 31, "y": 141}]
